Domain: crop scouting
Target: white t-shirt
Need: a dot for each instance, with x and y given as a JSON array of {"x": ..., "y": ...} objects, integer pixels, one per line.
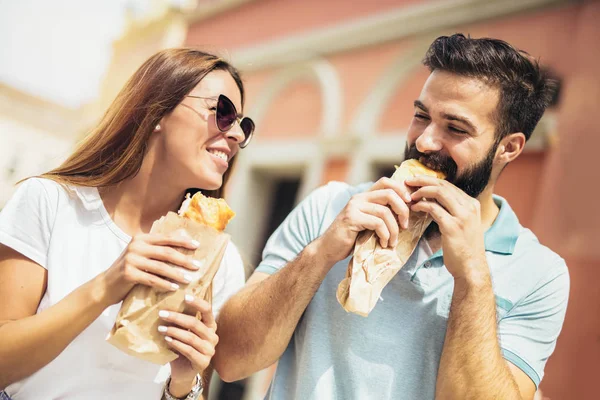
[{"x": 70, "y": 233}]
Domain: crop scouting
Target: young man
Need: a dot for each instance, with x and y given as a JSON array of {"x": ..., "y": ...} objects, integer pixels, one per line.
[{"x": 475, "y": 312}]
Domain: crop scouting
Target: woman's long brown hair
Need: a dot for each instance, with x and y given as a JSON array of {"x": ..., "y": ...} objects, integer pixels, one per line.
[{"x": 114, "y": 150}]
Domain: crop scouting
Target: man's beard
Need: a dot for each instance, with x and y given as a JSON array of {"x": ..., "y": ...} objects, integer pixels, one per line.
[{"x": 472, "y": 181}]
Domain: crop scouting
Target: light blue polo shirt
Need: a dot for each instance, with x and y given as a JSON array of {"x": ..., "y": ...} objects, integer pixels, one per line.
[{"x": 395, "y": 352}]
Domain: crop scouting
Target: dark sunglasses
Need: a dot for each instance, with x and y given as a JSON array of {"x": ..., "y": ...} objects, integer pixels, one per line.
[{"x": 227, "y": 115}]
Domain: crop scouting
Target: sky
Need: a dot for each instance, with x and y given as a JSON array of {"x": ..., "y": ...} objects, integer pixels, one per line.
[{"x": 59, "y": 50}]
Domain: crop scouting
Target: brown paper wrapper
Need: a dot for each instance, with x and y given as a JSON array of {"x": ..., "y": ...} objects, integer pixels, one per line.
[
  {"x": 371, "y": 266},
  {"x": 136, "y": 329}
]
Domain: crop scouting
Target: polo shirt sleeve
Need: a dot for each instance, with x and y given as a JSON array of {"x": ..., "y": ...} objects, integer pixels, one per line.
[
  {"x": 529, "y": 331},
  {"x": 301, "y": 227},
  {"x": 27, "y": 220}
]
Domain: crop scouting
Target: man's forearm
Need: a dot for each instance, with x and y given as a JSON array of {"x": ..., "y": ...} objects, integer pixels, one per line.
[
  {"x": 472, "y": 366},
  {"x": 255, "y": 326}
]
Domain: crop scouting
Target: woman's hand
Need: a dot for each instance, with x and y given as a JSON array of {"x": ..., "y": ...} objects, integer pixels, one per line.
[
  {"x": 194, "y": 339},
  {"x": 146, "y": 260}
]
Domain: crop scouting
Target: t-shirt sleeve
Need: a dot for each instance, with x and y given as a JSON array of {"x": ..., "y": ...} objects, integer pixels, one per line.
[
  {"x": 229, "y": 278},
  {"x": 301, "y": 227},
  {"x": 528, "y": 333},
  {"x": 27, "y": 219}
]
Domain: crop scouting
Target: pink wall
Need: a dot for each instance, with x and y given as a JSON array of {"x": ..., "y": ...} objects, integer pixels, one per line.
[
  {"x": 295, "y": 113},
  {"x": 572, "y": 172},
  {"x": 525, "y": 173},
  {"x": 399, "y": 112},
  {"x": 566, "y": 215},
  {"x": 266, "y": 20}
]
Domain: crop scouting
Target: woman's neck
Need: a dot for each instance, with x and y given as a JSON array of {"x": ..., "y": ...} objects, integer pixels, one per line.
[{"x": 137, "y": 202}]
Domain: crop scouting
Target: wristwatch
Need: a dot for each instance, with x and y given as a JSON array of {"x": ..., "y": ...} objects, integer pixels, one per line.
[{"x": 194, "y": 394}]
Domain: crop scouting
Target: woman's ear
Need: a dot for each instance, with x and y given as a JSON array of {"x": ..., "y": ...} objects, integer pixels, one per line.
[{"x": 510, "y": 147}]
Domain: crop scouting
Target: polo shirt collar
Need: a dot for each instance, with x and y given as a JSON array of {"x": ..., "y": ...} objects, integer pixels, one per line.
[{"x": 502, "y": 236}]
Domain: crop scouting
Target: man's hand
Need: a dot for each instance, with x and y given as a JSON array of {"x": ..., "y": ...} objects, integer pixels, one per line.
[
  {"x": 382, "y": 209},
  {"x": 458, "y": 216}
]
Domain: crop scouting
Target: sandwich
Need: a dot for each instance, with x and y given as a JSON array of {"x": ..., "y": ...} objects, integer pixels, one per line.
[
  {"x": 371, "y": 266},
  {"x": 136, "y": 328}
]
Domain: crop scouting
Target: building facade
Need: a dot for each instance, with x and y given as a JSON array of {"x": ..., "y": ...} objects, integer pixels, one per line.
[{"x": 331, "y": 85}]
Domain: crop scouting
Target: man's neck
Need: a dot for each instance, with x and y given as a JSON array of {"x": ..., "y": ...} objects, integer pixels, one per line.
[{"x": 489, "y": 212}]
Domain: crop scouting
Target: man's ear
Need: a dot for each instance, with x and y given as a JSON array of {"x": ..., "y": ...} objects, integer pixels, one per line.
[{"x": 510, "y": 147}]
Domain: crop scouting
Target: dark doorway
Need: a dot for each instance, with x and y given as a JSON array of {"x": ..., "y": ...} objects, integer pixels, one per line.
[
  {"x": 283, "y": 199},
  {"x": 282, "y": 192}
]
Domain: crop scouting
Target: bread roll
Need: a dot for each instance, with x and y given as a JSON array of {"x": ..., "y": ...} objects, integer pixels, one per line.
[{"x": 207, "y": 210}]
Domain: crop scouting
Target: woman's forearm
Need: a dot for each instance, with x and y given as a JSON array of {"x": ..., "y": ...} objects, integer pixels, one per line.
[{"x": 28, "y": 344}]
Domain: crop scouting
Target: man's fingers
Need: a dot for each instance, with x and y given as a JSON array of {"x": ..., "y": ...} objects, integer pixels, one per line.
[
  {"x": 437, "y": 212},
  {"x": 399, "y": 187},
  {"x": 372, "y": 223},
  {"x": 423, "y": 180},
  {"x": 385, "y": 214},
  {"x": 445, "y": 197},
  {"x": 387, "y": 197}
]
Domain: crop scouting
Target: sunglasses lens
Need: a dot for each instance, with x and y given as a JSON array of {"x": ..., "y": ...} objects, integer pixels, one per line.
[
  {"x": 247, "y": 126},
  {"x": 226, "y": 113}
]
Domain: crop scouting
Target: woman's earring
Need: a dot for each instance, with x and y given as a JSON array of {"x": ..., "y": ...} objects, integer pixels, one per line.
[{"x": 157, "y": 128}]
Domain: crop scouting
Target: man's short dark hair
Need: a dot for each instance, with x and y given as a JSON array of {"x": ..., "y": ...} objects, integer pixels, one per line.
[{"x": 525, "y": 89}]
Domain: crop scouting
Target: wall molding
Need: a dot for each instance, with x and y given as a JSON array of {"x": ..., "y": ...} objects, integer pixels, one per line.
[
  {"x": 384, "y": 27},
  {"x": 319, "y": 71},
  {"x": 209, "y": 9},
  {"x": 366, "y": 120}
]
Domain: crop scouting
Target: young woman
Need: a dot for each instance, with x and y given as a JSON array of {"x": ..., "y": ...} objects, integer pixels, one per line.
[{"x": 74, "y": 241}]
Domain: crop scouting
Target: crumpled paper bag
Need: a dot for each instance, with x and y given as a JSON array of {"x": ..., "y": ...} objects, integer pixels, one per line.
[
  {"x": 371, "y": 266},
  {"x": 136, "y": 329}
]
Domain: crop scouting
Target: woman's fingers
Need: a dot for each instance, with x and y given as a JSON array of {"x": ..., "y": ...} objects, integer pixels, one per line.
[
  {"x": 204, "y": 327},
  {"x": 161, "y": 269},
  {"x": 198, "y": 360},
  {"x": 172, "y": 240},
  {"x": 189, "y": 338},
  {"x": 136, "y": 275},
  {"x": 162, "y": 248},
  {"x": 172, "y": 256},
  {"x": 193, "y": 338},
  {"x": 204, "y": 308}
]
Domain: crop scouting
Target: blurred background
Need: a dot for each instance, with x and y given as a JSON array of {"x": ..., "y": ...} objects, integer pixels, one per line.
[{"x": 330, "y": 85}]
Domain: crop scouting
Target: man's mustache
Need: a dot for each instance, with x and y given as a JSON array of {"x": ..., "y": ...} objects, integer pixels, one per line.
[{"x": 436, "y": 161}]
